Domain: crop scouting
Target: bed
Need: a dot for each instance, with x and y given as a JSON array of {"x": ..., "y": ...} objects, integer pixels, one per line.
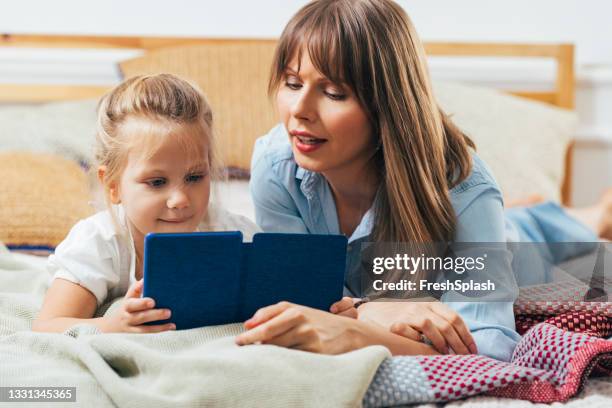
[{"x": 48, "y": 143}]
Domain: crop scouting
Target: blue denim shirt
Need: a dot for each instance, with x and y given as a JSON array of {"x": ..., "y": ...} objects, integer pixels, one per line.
[{"x": 291, "y": 199}]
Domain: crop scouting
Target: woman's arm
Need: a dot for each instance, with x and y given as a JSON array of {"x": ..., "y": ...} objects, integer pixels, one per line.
[
  {"x": 483, "y": 325},
  {"x": 441, "y": 325},
  {"x": 294, "y": 326},
  {"x": 481, "y": 220},
  {"x": 397, "y": 345}
]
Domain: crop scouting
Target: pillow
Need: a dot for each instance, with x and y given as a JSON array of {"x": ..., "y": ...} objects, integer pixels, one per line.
[
  {"x": 64, "y": 128},
  {"x": 43, "y": 196},
  {"x": 234, "y": 77},
  {"x": 523, "y": 141}
]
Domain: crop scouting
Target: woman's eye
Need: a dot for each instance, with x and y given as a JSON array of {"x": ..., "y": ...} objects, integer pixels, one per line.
[
  {"x": 335, "y": 96},
  {"x": 194, "y": 178},
  {"x": 156, "y": 183}
]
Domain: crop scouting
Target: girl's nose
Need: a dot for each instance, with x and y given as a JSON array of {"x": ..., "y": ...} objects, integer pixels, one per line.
[{"x": 178, "y": 199}]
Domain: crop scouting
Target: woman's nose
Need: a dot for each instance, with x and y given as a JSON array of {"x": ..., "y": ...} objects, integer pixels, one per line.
[
  {"x": 178, "y": 199},
  {"x": 303, "y": 106}
]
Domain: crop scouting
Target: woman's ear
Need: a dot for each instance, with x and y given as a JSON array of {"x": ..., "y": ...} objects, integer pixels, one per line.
[{"x": 112, "y": 188}]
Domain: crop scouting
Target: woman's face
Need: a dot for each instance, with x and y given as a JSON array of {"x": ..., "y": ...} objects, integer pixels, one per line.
[{"x": 328, "y": 129}]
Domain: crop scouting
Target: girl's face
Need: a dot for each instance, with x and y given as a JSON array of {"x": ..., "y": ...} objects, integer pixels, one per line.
[
  {"x": 169, "y": 190},
  {"x": 328, "y": 128}
]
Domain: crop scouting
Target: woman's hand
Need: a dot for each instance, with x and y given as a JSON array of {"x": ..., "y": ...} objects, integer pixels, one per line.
[
  {"x": 439, "y": 323},
  {"x": 345, "y": 307},
  {"x": 135, "y": 311},
  {"x": 288, "y": 325}
]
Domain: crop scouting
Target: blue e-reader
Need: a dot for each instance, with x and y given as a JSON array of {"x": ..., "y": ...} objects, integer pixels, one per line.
[{"x": 212, "y": 278}]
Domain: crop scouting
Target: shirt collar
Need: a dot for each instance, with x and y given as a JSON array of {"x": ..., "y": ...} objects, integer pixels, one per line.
[
  {"x": 300, "y": 173},
  {"x": 308, "y": 182},
  {"x": 308, "y": 187},
  {"x": 364, "y": 229}
]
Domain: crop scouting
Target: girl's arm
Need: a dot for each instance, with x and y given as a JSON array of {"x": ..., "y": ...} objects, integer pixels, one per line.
[{"x": 67, "y": 304}]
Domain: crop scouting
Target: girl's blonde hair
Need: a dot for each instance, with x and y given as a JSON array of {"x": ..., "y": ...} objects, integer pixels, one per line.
[
  {"x": 372, "y": 47},
  {"x": 165, "y": 100}
]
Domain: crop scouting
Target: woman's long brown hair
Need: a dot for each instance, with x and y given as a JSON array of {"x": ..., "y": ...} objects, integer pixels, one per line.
[{"x": 372, "y": 47}]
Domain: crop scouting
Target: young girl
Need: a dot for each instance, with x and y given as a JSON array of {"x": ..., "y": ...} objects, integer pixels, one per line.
[{"x": 156, "y": 156}]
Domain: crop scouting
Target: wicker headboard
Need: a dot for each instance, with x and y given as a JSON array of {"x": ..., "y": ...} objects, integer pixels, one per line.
[
  {"x": 563, "y": 54},
  {"x": 216, "y": 65}
]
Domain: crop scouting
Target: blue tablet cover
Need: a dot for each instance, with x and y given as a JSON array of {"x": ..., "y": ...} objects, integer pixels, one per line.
[{"x": 210, "y": 278}]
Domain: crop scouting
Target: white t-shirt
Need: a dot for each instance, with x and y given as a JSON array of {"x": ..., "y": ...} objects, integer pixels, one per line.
[{"x": 101, "y": 257}]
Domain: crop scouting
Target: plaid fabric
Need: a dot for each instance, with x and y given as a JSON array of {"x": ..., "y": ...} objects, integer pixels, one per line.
[
  {"x": 552, "y": 299},
  {"x": 549, "y": 364},
  {"x": 564, "y": 341},
  {"x": 579, "y": 322},
  {"x": 563, "y": 305}
]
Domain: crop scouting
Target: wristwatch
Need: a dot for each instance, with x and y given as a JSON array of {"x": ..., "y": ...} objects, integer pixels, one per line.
[{"x": 361, "y": 302}]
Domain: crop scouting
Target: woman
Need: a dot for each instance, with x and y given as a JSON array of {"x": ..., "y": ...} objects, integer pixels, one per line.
[{"x": 365, "y": 151}]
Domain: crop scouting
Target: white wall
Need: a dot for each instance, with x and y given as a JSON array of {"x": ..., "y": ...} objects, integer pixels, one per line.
[{"x": 582, "y": 22}]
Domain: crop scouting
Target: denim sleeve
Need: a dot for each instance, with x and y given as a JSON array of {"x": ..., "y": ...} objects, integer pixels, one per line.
[
  {"x": 491, "y": 323},
  {"x": 275, "y": 210}
]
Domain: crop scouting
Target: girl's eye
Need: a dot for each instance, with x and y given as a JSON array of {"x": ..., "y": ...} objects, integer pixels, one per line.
[
  {"x": 293, "y": 85},
  {"x": 194, "y": 178},
  {"x": 156, "y": 183}
]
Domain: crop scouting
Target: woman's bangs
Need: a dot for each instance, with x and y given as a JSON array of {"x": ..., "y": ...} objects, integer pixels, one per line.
[
  {"x": 328, "y": 50},
  {"x": 325, "y": 47}
]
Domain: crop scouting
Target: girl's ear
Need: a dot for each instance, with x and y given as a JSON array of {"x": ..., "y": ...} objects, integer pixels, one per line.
[
  {"x": 112, "y": 188},
  {"x": 101, "y": 174}
]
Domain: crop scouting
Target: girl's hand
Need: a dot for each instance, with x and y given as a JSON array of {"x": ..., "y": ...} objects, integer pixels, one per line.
[
  {"x": 438, "y": 322},
  {"x": 288, "y": 325},
  {"x": 345, "y": 307},
  {"x": 135, "y": 311}
]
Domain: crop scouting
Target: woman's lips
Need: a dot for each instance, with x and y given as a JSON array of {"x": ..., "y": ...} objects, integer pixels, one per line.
[{"x": 306, "y": 142}]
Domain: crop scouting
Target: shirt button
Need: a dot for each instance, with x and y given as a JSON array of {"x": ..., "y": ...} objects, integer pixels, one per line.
[{"x": 349, "y": 248}]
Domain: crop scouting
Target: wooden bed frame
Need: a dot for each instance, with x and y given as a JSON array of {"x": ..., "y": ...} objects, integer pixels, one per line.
[{"x": 562, "y": 95}]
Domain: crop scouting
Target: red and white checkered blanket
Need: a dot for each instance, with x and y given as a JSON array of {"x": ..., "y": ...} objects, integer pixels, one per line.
[
  {"x": 562, "y": 345},
  {"x": 549, "y": 364},
  {"x": 561, "y": 304}
]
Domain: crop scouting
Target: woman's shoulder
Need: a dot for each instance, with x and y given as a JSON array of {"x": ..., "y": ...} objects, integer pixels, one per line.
[
  {"x": 273, "y": 152},
  {"x": 276, "y": 178},
  {"x": 480, "y": 181},
  {"x": 480, "y": 174}
]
